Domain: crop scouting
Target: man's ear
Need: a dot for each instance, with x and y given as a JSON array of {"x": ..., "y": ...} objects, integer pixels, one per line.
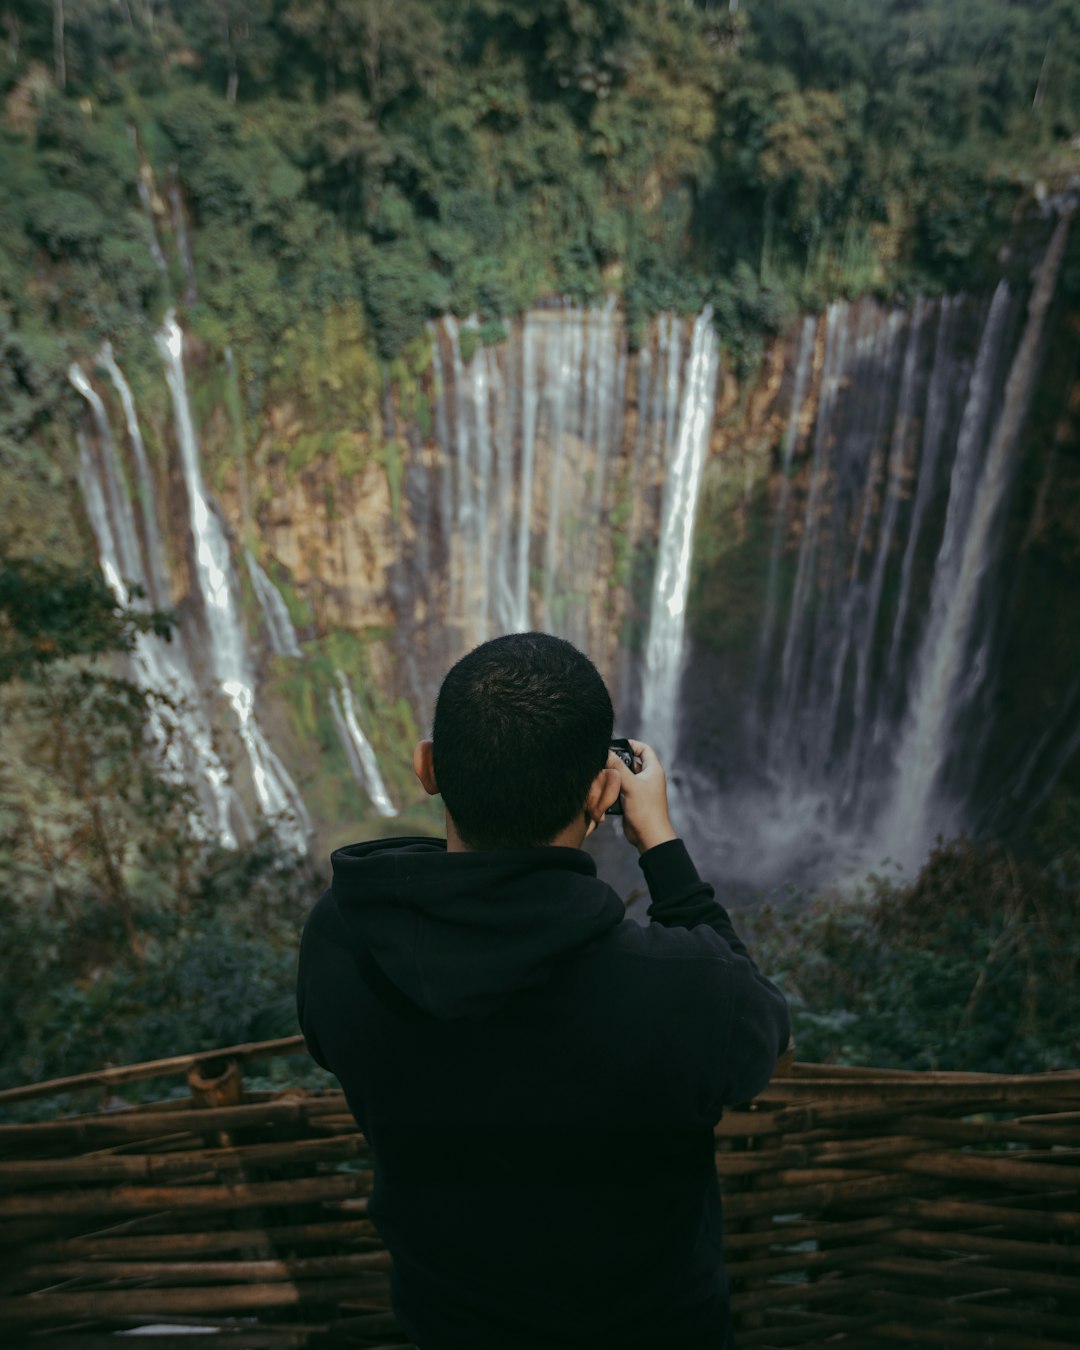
[
  {"x": 423, "y": 763},
  {"x": 606, "y": 786}
]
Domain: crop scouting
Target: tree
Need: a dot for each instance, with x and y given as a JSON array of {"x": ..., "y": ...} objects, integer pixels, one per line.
[{"x": 86, "y": 724}]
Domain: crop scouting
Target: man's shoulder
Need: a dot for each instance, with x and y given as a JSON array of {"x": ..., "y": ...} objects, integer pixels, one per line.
[
  {"x": 656, "y": 942},
  {"x": 323, "y": 921}
]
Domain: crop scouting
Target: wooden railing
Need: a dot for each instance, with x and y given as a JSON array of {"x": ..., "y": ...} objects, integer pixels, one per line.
[{"x": 863, "y": 1208}]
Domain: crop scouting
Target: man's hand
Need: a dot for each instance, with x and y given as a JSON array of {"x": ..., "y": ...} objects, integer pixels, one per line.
[{"x": 646, "y": 822}]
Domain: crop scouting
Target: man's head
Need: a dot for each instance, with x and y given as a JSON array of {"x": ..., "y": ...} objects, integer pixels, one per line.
[{"x": 520, "y": 743}]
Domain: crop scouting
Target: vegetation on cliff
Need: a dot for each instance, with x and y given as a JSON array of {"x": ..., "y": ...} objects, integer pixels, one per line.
[{"x": 415, "y": 156}]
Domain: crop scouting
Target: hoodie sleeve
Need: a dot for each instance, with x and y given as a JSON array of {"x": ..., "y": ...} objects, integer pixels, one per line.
[
  {"x": 760, "y": 1029},
  {"x": 303, "y": 977}
]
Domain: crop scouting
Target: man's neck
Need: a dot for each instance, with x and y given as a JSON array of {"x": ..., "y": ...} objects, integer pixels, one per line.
[{"x": 573, "y": 836}]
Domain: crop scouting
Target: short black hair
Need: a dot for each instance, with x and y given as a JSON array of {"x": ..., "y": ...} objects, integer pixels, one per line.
[{"x": 522, "y": 725}]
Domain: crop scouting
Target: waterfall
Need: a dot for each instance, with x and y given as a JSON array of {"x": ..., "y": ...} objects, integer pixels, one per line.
[
  {"x": 547, "y": 483},
  {"x": 279, "y": 626},
  {"x": 357, "y": 747},
  {"x": 277, "y": 796},
  {"x": 918, "y": 808},
  {"x": 157, "y": 573},
  {"x": 143, "y": 173},
  {"x": 183, "y": 243},
  {"x": 897, "y": 465},
  {"x": 530, "y": 413},
  {"x": 525, "y": 477},
  {"x": 175, "y": 718},
  {"x": 835, "y": 349},
  {"x": 664, "y": 645},
  {"x": 798, "y": 397}
]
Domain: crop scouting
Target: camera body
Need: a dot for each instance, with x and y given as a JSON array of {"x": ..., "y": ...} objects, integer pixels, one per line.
[{"x": 620, "y": 746}]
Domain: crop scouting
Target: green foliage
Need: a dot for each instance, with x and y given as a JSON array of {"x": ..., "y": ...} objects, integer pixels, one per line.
[
  {"x": 974, "y": 965},
  {"x": 216, "y": 970},
  {"x": 50, "y": 612}
]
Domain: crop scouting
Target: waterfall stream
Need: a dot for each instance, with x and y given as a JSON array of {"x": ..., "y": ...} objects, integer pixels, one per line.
[
  {"x": 176, "y": 720},
  {"x": 357, "y": 747},
  {"x": 275, "y": 791},
  {"x": 279, "y": 626},
  {"x": 667, "y": 616},
  {"x": 940, "y": 681}
]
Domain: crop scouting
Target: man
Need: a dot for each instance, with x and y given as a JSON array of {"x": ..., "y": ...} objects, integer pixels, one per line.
[{"x": 538, "y": 1079}]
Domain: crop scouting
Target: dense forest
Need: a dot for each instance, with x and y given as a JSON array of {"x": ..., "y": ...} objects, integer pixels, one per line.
[
  {"x": 382, "y": 161},
  {"x": 334, "y": 174}
]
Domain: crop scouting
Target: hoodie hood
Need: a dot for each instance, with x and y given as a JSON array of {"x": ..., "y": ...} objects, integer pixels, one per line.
[{"x": 459, "y": 933}]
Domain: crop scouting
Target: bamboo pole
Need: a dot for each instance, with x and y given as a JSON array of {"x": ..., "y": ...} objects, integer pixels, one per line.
[
  {"x": 966, "y": 1211},
  {"x": 154, "y": 1068},
  {"x": 974, "y": 1274},
  {"x": 293, "y": 1110},
  {"x": 995, "y": 1315},
  {"x": 783, "y": 1234},
  {"x": 159, "y": 1303},
  {"x": 192, "y": 1244},
  {"x": 152, "y": 1199},
  {"x": 1045, "y": 1253},
  {"x": 972, "y": 1167},
  {"x": 777, "y": 1295},
  {"x": 152, "y": 1166},
  {"x": 206, "y": 1272},
  {"x": 790, "y": 1200},
  {"x": 963, "y": 1340},
  {"x": 242, "y": 1337}
]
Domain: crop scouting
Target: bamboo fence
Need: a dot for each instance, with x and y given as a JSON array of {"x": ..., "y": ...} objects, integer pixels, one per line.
[{"x": 863, "y": 1208}]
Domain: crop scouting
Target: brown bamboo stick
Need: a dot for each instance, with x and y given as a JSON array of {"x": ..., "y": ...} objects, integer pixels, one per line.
[
  {"x": 159, "y": 1303},
  {"x": 806, "y": 1333},
  {"x": 209, "y": 1272},
  {"x": 835, "y": 1258},
  {"x": 970, "y": 1212},
  {"x": 815, "y": 1156},
  {"x": 135, "y": 1124},
  {"x": 245, "y": 1337},
  {"x": 974, "y": 1274},
  {"x": 995, "y": 1314},
  {"x": 962, "y": 1340},
  {"x": 782, "y": 1234},
  {"x": 153, "y": 1068},
  {"x": 794, "y": 1199},
  {"x": 975, "y": 1167},
  {"x": 986, "y": 1131},
  {"x": 151, "y": 1199},
  {"x": 151, "y": 1166},
  {"x": 947, "y": 1082},
  {"x": 341, "y": 1233},
  {"x": 777, "y": 1295},
  {"x": 1043, "y": 1253}
]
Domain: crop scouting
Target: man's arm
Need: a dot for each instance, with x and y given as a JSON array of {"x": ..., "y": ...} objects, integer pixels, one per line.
[
  {"x": 303, "y": 976},
  {"x": 760, "y": 1029}
]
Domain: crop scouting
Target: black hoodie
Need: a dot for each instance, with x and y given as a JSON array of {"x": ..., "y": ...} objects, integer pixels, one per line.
[{"x": 538, "y": 1081}]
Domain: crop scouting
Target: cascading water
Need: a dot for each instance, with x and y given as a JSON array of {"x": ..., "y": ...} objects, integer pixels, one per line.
[
  {"x": 357, "y": 747},
  {"x": 277, "y": 796},
  {"x": 667, "y": 621},
  {"x": 858, "y": 714},
  {"x": 157, "y": 573},
  {"x": 279, "y": 626},
  {"x": 536, "y": 499},
  {"x": 176, "y": 720},
  {"x": 940, "y": 681},
  {"x": 145, "y": 200}
]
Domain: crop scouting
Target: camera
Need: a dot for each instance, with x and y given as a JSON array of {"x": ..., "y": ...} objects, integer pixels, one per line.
[{"x": 620, "y": 746}]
